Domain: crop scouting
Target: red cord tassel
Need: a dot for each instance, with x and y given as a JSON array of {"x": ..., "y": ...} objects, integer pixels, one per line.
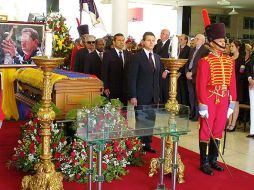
[{"x": 206, "y": 18}]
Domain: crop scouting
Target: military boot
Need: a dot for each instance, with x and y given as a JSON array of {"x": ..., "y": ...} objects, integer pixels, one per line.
[
  {"x": 204, "y": 161},
  {"x": 213, "y": 155}
]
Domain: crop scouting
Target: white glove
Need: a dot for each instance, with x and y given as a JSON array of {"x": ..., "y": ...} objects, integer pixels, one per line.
[
  {"x": 203, "y": 110},
  {"x": 230, "y": 111},
  {"x": 203, "y": 113}
]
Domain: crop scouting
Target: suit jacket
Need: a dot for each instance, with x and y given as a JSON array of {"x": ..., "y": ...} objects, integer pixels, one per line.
[
  {"x": 114, "y": 74},
  {"x": 93, "y": 64},
  {"x": 202, "y": 52},
  {"x": 144, "y": 82},
  {"x": 162, "y": 50},
  {"x": 184, "y": 54},
  {"x": 249, "y": 70},
  {"x": 80, "y": 59}
]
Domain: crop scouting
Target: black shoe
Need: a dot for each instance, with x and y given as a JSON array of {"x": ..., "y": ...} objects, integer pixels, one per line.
[
  {"x": 231, "y": 129},
  {"x": 149, "y": 149},
  {"x": 250, "y": 136},
  {"x": 217, "y": 167},
  {"x": 205, "y": 168}
]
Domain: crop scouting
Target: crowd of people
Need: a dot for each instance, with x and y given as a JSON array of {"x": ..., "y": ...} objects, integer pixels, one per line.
[
  {"x": 217, "y": 77},
  {"x": 135, "y": 74}
]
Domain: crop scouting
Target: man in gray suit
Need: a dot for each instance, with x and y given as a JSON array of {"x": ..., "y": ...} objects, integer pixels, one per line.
[
  {"x": 196, "y": 54},
  {"x": 144, "y": 80}
]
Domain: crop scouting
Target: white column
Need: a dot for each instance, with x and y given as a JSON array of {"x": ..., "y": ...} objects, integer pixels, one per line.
[{"x": 120, "y": 17}]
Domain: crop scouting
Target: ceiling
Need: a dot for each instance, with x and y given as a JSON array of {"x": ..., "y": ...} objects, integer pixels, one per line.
[{"x": 243, "y": 4}]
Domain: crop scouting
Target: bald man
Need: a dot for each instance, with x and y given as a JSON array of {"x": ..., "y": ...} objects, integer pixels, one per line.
[
  {"x": 162, "y": 48},
  {"x": 196, "y": 54}
]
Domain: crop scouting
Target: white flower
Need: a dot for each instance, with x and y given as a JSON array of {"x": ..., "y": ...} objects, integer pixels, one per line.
[{"x": 30, "y": 157}]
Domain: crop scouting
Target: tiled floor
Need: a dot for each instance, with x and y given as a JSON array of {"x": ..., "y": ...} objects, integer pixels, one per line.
[{"x": 239, "y": 151}]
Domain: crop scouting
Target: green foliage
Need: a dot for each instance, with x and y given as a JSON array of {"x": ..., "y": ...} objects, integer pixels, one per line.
[{"x": 39, "y": 104}]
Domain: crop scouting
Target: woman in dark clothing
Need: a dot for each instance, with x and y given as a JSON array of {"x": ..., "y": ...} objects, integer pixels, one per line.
[{"x": 238, "y": 54}]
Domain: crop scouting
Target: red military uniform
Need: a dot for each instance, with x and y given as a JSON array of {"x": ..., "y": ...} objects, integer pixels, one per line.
[
  {"x": 216, "y": 93},
  {"x": 73, "y": 54},
  {"x": 216, "y": 88}
]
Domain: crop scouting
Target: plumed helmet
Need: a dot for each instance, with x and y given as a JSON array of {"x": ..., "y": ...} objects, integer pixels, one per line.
[
  {"x": 83, "y": 29},
  {"x": 213, "y": 31}
]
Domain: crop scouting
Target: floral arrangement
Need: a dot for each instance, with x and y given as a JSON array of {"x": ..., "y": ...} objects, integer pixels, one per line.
[
  {"x": 70, "y": 156},
  {"x": 62, "y": 42}
]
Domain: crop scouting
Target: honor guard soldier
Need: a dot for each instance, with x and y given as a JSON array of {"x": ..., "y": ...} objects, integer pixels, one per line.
[{"x": 216, "y": 93}]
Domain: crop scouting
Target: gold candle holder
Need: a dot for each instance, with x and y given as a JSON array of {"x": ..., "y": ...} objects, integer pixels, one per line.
[
  {"x": 46, "y": 177},
  {"x": 173, "y": 65}
]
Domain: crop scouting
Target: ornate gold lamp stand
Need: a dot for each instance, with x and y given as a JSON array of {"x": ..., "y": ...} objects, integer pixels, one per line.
[
  {"x": 172, "y": 161},
  {"x": 46, "y": 178}
]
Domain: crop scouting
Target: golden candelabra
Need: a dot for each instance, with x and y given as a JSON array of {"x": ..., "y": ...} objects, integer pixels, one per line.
[
  {"x": 46, "y": 178},
  {"x": 173, "y": 65}
]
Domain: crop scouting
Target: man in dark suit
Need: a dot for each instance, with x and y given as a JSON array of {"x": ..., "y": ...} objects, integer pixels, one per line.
[
  {"x": 162, "y": 48},
  {"x": 115, "y": 70},
  {"x": 196, "y": 54},
  {"x": 82, "y": 53},
  {"x": 145, "y": 75},
  {"x": 93, "y": 63},
  {"x": 182, "y": 89}
]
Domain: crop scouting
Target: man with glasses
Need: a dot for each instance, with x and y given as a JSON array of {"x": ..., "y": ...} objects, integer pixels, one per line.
[
  {"x": 94, "y": 60},
  {"x": 81, "y": 55}
]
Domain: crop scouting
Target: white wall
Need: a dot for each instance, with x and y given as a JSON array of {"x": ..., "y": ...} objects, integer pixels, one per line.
[
  {"x": 155, "y": 17},
  {"x": 19, "y": 9}
]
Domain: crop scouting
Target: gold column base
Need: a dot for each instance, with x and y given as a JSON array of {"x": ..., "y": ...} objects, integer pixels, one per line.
[
  {"x": 155, "y": 163},
  {"x": 46, "y": 178}
]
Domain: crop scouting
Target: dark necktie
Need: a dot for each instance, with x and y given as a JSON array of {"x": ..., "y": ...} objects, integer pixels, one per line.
[
  {"x": 101, "y": 55},
  {"x": 121, "y": 57},
  {"x": 192, "y": 59},
  {"x": 150, "y": 60}
]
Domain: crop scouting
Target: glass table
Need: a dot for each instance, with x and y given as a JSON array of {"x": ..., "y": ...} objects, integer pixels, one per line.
[{"x": 97, "y": 126}]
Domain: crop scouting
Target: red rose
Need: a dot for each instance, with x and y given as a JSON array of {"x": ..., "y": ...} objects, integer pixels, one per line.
[
  {"x": 107, "y": 151},
  {"x": 32, "y": 148},
  {"x": 57, "y": 155},
  {"x": 104, "y": 166},
  {"x": 54, "y": 145},
  {"x": 62, "y": 140},
  {"x": 29, "y": 114},
  {"x": 38, "y": 139},
  {"x": 119, "y": 157},
  {"x": 78, "y": 176},
  {"x": 58, "y": 165},
  {"x": 22, "y": 154},
  {"x": 73, "y": 154},
  {"x": 35, "y": 120}
]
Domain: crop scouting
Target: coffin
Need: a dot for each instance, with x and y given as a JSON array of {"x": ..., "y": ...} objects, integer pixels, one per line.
[{"x": 69, "y": 88}]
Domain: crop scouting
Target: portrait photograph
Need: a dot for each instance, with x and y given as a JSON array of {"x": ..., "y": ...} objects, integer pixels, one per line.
[{"x": 19, "y": 41}]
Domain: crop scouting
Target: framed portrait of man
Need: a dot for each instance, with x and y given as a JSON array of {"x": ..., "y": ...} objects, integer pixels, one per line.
[{"x": 19, "y": 41}]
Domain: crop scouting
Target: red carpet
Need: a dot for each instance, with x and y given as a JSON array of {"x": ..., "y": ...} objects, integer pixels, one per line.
[{"x": 137, "y": 179}]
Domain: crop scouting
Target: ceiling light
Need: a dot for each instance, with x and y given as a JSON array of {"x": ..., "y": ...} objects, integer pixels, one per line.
[
  {"x": 223, "y": 2},
  {"x": 233, "y": 12}
]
